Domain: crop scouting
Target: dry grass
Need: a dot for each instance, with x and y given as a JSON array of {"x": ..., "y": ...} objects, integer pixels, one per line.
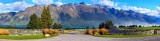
[
  {"x": 102, "y": 31},
  {"x": 50, "y": 31},
  {"x": 54, "y": 31},
  {"x": 67, "y": 31},
  {"x": 96, "y": 32},
  {"x": 4, "y": 32}
]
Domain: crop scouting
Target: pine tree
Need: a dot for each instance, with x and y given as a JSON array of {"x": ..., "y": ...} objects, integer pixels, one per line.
[
  {"x": 87, "y": 27},
  {"x": 57, "y": 26},
  {"x": 33, "y": 23},
  {"x": 60, "y": 26},
  {"x": 93, "y": 27},
  {"x": 46, "y": 19},
  {"x": 109, "y": 24}
]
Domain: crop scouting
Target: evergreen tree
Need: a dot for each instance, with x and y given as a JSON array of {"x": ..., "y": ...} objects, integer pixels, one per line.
[
  {"x": 46, "y": 19},
  {"x": 33, "y": 23},
  {"x": 87, "y": 27},
  {"x": 102, "y": 25},
  {"x": 57, "y": 26},
  {"x": 109, "y": 24},
  {"x": 1, "y": 27},
  {"x": 93, "y": 27},
  {"x": 60, "y": 26}
]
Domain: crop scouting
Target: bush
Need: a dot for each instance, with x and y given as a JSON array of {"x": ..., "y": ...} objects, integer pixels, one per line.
[
  {"x": 54, "y": 32},
  {"x": 103, "y": 31},
  {"x": 46, "y": 31},
  {"x": 89, "y": 31},
  {"x": 96, "y": 32},
  {"x": 57, "y": 26},
  {"x": 50, "y": 31},
  {"x": 4, "y": 32}
]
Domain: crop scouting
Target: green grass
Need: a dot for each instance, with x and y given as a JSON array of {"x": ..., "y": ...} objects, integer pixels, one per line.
[
  {"x": 141, "y": 28},
  {"x": 124, "y": 36},
  {"x": 23, "y": 37}
]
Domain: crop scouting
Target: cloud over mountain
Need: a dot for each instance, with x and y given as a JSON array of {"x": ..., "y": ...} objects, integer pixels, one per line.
[
  {"x": 16, "y": 6},
  {"x": 108, "y": 3},
  {"x": 42, "y": 2},
  {"x": 134, "y": 8},
  {"x": 143, "y": 10},
  {"x": 59, "y": 3}
]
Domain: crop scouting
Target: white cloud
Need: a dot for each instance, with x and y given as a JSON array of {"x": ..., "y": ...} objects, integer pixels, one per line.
[
  {"x": 88, "y": 4},
  {"x": 1, "y": 4},
  {"x": 134, "y": 8},
  {"x": 59, "y": 3},
  {"x": 108, "y": 3},
  {"x": 16, "y": 6},
  {"x": 158, "y": 8},
  {"x": 42, "y": 2},
  {"x": 142, "y": 10}
]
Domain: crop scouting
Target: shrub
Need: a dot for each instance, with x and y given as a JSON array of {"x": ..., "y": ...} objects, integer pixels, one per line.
[
  {"x": 4, "y": 32},
  {"x": 54, "y": 32},
  {"x": 46, "y": 31},
  {"x": 96, "y": 32},
  {"x": 50, "y": 31},
  {"x": 57, "y": 26},
  {"x": 89, "y": 31},
  {"x": 103, "y": 31}
]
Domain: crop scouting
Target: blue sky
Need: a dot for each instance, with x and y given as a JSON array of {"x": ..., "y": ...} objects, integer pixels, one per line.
[
  {"x": 151, "y": 7},
  {"x": 150, "y": 4}
]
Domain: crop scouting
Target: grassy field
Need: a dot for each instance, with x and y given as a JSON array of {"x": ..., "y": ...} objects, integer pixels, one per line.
[
  {"x": 141, "y": 28},
  {"x": 24, "y": 37},
  {"x": 124, "y": 36}
]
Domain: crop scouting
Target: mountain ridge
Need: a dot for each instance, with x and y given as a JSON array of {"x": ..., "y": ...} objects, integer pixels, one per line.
[{"x": 81, "y": 15}]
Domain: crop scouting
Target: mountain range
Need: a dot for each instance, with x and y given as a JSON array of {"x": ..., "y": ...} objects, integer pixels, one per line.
[{"x": 80, "y": 15}]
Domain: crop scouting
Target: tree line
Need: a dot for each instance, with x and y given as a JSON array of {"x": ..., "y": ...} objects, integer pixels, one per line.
[{"x": 106, "y": 25}]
